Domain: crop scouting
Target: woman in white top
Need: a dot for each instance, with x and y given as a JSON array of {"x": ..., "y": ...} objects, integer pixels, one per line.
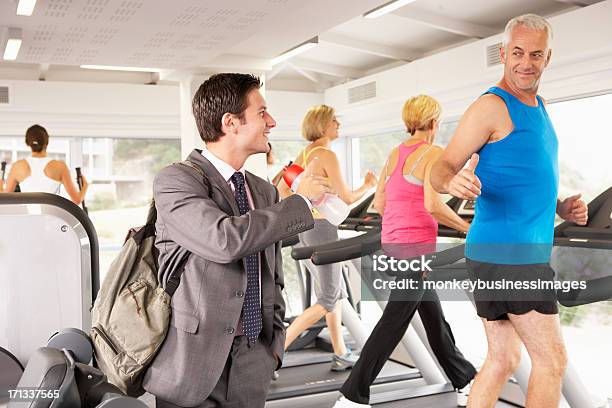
[{"x": 39, "y": 173}]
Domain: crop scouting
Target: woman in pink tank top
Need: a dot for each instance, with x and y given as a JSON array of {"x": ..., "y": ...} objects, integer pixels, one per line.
[
  {"x": 406, "y": 220},
  {"x": 410, "y": 207},
  {"x": 410, "y": 210}
]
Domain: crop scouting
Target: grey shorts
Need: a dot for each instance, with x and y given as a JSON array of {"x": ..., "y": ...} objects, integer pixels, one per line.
[{"x": 329, "y": 286}]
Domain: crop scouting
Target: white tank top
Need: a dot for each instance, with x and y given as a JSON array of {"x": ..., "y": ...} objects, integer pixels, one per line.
[{"x": 38, "y": 182}]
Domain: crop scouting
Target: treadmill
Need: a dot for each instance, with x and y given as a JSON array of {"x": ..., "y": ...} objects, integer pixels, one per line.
[
  {"x": 422, "y": 392},
  {"x": 306, "y": 370},
  {"x": 593, "y": 242}
]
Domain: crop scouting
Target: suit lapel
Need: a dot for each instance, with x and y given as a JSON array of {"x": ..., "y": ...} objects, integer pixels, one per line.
[
  {"x": 216, "y": 180},
  {"x": 259, "y": 198}
]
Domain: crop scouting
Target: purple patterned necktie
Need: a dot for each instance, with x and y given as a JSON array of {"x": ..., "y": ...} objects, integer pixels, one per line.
[{"x": 251, "y": 309}]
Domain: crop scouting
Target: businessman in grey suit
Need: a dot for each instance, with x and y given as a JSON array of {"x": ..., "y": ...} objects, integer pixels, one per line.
[{"x": 226, "y": 335}]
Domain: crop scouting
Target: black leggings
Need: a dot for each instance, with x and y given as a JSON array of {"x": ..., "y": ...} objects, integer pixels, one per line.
[{"x": 388, "y": 333}]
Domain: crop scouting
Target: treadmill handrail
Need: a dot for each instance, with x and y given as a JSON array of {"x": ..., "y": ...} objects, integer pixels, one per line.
[
  {"x": 366, "y": 246},
  {"x": 74, "y": 210},
  {"x": 588, "y": 233},
  {"x": 305, "y": 252},
  {"x": 334, "y": 255},
  {"x": 593, "y": 207},
  {"x": 597, "y": 290}
]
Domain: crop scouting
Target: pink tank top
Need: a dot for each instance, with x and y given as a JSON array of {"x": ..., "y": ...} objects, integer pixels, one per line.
[{"x": 405, "y": 219}]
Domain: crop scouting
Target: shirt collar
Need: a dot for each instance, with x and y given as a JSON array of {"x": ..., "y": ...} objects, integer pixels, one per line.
[{"x": 222, "y": 167}]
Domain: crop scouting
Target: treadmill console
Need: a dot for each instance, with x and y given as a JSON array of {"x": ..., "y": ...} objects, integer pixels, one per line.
[{"x": 466, "y": 208}]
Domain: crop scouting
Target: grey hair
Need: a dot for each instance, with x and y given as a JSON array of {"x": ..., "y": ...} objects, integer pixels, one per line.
[{"x": 532, "y": 21}]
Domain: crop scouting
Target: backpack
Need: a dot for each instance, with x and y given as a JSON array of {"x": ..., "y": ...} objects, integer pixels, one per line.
[{"x": 131, "y": 314}]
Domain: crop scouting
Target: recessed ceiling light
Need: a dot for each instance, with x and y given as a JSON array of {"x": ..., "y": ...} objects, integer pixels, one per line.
[
  {"x": 115, "y": 68},
  {"x": 387, "y": 8},
  {"x": 13, "y": 44},
  {"x": 313, "y": 42},
  {"x": 25, "y": 7}
]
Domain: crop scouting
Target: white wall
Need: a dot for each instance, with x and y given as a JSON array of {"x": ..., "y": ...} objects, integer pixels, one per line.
[
  {"x": 91, "y": 109},
  {"x": 288, "y": 109},
  {"x": 581, "y": 64}
]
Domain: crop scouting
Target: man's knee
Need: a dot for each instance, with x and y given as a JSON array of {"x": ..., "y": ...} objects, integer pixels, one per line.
[
  {"x": 553, "y": 360},
  {"x": 505, "y": 362}
]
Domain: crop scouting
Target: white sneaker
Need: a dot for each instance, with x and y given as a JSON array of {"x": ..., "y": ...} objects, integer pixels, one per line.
[
  {"x": 343, "y": 402},
  {"x": 462, "y": 395}
]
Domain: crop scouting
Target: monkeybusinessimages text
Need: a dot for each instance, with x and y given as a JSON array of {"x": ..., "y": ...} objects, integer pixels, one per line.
[{"x": 392, "y": 266}]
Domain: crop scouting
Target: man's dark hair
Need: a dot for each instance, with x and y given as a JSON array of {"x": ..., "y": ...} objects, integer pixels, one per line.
[
  {"x": 218, "y": 95},
  {"x": 37, "y": 138}
]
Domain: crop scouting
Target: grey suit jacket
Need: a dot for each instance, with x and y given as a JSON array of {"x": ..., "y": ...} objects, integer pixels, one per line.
[{"x": 206, "y": 306}]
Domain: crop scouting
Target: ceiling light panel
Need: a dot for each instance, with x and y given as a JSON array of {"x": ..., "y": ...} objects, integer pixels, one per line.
[
  {"x": 13, "y": 43},
  {"x": 25, "y": 7},
  {"x": 117, "y": 68},
  {"x": 12, "y": 49},
  {"x": 387, "y": 8},
  {"x": 313, "y": 42}
]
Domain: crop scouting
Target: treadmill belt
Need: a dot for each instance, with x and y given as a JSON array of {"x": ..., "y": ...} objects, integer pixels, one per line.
[
  {"x": 446, "y": 400},
  {"x": 318, "y": 378},
  {"x": 306, "y": 357}
]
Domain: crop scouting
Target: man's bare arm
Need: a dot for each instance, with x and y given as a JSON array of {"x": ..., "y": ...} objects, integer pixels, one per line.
[{"x": 474, "y": 130}]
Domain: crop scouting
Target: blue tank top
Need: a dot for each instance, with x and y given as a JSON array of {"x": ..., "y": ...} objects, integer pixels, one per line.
[{"x": 515, "y": 213}]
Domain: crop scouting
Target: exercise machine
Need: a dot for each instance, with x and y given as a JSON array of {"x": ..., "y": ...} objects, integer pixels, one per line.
[{"x": 50, "y": 273}]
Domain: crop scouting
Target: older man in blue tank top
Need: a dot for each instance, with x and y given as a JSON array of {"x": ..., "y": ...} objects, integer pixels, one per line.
[{"x": 513, "y": 170}]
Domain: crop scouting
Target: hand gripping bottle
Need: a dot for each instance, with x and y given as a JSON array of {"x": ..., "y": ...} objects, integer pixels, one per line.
[{"x": 329, "y": 206}]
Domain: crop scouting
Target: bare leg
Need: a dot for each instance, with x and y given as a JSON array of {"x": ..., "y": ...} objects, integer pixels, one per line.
[
  {"x": 541, "y": 334},
  {"x": 301, "y": 323},
  {"x": 334, "y": 325},
  {"x": 503, "y": 356}
]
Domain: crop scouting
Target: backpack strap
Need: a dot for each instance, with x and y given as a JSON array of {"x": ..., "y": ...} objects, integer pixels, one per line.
[{"x": 174, "y": 279}]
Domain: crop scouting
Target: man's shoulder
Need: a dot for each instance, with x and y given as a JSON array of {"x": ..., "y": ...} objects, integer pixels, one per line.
[
  {"x": 487, "y": 109},
  {"x": 490, "y": 102},
  {"x": 178, "y": 174},
  {"x": 173, "y": 170}
]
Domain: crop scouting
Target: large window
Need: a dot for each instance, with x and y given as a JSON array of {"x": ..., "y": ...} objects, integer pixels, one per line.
[
  {"x": 14, "y": 148},
  {"x": 585, "y": 143},
  {"x": 584, "y": 167},
  {"x": 374, "y": 150},
  {"x": 122, "y": 172}
]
